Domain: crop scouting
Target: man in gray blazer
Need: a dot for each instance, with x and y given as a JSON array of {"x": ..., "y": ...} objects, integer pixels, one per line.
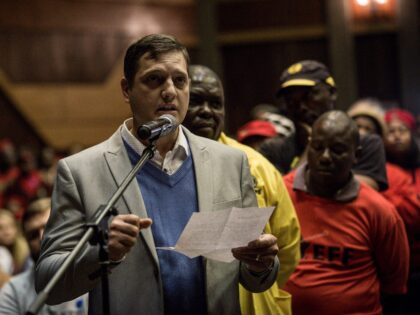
[{"x": 187, "y": 174}]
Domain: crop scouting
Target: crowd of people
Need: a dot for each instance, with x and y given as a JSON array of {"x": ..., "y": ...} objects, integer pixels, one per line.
[{"x": 344, "y": 236}]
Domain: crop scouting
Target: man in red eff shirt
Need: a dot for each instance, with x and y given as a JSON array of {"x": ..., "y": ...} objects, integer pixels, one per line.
[{"x": 354, "y": 246}]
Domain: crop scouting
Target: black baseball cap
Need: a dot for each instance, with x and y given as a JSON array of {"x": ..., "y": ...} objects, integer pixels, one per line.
[{"x": 306, "y": 73}]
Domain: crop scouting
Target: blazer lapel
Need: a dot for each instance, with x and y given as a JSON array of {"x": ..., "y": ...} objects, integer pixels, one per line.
[
  {"x": 119, "y": 164},
  {"x": 202, "y": 169}
]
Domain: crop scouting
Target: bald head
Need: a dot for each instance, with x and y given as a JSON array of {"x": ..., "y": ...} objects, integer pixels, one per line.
[
  {"x": 338, "y": 122},
  {"x": 203, "y": 77},
  {"x": 205, "y": 116},
  {"x": 332, "y": 151}
]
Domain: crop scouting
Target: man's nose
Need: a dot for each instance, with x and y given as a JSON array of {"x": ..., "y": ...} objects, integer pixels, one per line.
[
  {"x": 326, "y": 155},
  {"x": 206, "y": 109},
  {"x": 168, "y": 91}
]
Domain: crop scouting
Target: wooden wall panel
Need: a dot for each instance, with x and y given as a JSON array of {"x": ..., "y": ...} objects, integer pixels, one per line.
[
  {"x": 377, "y": 66},
  {"x": 76, "y": 41},
  {"x": 61, "y": 112},
  {"x": 50, "y": 57},
  {"x": 132, "y": 17},
  {"x": 257, "y": 14},
  {"x": 61, "y": 61},
  {"x": 19, "y": 134}
]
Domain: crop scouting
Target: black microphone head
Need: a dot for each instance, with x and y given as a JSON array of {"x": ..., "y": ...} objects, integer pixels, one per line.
[
  {"x": 170, "y": 118},
  {"x": 173, "y": 124},
  {"x": 144, "y": 132},
  {"x": 155, "y": 129}
]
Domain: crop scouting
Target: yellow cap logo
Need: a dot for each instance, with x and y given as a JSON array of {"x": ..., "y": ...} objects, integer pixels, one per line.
[
  {"x": 330, "y": 81},
  {"x": 294, "y": 68}
]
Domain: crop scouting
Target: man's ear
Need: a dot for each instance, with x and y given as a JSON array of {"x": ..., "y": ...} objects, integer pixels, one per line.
[{"x": 125, "y": 89}]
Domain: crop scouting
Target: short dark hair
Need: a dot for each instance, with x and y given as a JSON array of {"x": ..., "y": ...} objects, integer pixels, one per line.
[
  {"x": 36, "y": 207},
  {"x": 154, "y": 45}
]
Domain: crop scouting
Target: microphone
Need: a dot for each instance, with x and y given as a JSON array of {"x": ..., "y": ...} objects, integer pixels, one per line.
[{"x": 155, "y": 129}]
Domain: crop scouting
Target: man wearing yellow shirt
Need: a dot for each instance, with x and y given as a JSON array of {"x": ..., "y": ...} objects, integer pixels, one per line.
[{"x": 205, "y": 117}]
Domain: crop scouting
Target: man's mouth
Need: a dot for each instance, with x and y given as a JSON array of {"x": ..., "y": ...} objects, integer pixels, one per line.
[
  {"x": 205, "y": 124},
  {"x": 166, "y": 108},
  {"x": 325, "y": 171}
]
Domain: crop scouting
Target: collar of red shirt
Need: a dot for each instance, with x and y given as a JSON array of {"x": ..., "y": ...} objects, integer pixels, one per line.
[{"x": 346, "y": 194}]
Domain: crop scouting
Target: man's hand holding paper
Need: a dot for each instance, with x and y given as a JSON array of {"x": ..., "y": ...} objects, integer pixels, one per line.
[
  {"x": 224, "y": 235},
  {"x": 258, "y": 255}
]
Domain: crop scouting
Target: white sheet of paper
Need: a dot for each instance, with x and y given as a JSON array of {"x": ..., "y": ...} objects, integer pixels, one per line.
[{"x": 214, "y": 234}]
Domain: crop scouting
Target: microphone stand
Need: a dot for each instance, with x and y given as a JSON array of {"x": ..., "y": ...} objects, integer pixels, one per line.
[{"x": 97, "y": 233}]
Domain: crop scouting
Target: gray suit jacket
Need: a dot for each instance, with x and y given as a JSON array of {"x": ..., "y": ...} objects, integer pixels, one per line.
[{"x": 88, "y": 179}]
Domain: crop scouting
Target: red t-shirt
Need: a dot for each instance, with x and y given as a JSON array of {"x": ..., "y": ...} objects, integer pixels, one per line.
[
  {"x": 350, "y": 252},
  {"x": 403, "y": 193}
]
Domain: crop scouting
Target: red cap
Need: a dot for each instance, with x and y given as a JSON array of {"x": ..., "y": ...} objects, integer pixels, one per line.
[
  {"x": 404, "y": 116},
  {"x": 260, "y": 128}
]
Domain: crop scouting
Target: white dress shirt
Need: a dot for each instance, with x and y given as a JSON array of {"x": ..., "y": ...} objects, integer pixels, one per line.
[{"x": 173, "y": 158}]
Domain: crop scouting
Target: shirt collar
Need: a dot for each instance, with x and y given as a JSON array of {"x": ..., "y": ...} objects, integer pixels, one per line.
[
  {"x": 181, "y": 142},
  {"x": 346, "y": 194}
]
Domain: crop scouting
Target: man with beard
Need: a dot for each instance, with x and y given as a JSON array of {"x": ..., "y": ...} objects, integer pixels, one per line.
[
  {"x": 354, "y": 246},
  {"x": 205, "y": 117}
]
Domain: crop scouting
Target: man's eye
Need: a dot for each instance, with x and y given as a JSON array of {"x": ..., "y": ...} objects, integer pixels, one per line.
[
  {"x": 153, "y": 77},
  {"x": 216, "y": 104},
  {"x": 338, "y": 150},
  {"x": 195, "y": 100},
  {"x": 180, "y": 81},
  {"x": 317, "y": 146},
  {"x": 154, "y": 80}
]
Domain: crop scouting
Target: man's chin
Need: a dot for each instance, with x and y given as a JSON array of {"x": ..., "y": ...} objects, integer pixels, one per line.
[
  {"x": 325, "y": 176},
  {"x": 205, "y": 132}
]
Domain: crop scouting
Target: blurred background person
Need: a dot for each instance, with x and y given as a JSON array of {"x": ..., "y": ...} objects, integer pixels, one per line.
[
  {"x": 400, "y": 142},
  {"x": 306, "y": 91},
  {"x": 263, "y": 136},
  {"x": 48, "y": 160},
  {"x": 254, "y": 133},
  {"x": 368, "y": 113},
  {"x": 279, "y": 150},
  {"x": 268, "y": 112},
  {"x": 12, "y": 239},
  {"x": 18, "y": 294},
  {"x": 403, "y": 171},
  {"x": 9, "y": 170},
  {"x": 370, "y": 167}
]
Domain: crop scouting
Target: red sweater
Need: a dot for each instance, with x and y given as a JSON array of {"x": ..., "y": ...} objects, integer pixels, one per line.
[
  {"x": 351, "y": 251},
  {"x": 403, "y": 193}
]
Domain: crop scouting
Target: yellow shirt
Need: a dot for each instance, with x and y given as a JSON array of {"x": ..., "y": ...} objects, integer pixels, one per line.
[{"x": 271, "y": 191}]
